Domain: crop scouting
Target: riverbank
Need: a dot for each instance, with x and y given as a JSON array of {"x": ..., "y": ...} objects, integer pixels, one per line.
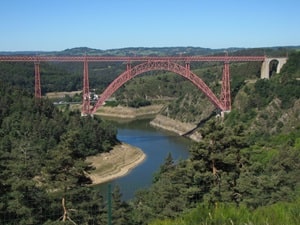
[
  {"x": 159, "y": 121},
  {"x": 128, "y": 112},
  {"x": 175, "y": 126},
  {"x": 116, "y": 163}
]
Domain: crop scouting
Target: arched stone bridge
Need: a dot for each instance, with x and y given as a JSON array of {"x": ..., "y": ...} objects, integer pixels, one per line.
[{"x": 265, "y": 67}]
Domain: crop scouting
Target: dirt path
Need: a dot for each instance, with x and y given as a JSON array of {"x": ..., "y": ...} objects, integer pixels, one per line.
[{"x": 116, "y": 163}]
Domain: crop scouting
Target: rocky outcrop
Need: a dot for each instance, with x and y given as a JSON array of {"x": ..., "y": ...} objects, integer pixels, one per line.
[{"x": 175, "y": 126}]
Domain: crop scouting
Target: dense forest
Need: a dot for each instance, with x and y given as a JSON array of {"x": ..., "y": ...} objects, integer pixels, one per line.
[
  {"x": 246, "y": 169},
  {"x": 42, "y": 152}
]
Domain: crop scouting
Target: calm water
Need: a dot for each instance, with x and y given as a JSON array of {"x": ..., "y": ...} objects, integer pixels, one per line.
[{"x": 156, "y": 144}]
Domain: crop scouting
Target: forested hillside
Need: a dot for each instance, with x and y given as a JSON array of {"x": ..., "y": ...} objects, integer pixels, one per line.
[
  {"x": 43, "y": 172},
  {"x": 245, "y": 170}
]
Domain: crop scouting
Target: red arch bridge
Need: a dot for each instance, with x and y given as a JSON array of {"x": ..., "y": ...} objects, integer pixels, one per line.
[{"x": 178, "y": 64}]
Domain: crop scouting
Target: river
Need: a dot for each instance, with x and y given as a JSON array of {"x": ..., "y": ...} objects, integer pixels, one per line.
[{"x": 156, "y": 144}]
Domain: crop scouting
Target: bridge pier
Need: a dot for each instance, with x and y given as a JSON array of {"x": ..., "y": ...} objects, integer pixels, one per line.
[
  {"x": 225, "y": 91},
  {"x": 37, "y": 80},
  {"x": 187, "y": 68},
  {"x": 86, "y": 90}
]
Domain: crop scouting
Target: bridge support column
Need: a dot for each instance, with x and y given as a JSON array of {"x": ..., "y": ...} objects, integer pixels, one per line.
[
  {"x": 281, "y": 62},
  {"x": 265, "y": 72},
  {"x": 37, "y": 80},
  {"x": 225, "y": 91},
  {"x": 128, "y": 66},
  {"x": 187, "y": 68},
  {"x": 86, "y": 90}
]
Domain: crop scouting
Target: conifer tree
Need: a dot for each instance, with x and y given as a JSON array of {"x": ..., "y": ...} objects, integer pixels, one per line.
[
  {"x": 216, "y": 161},
  {"x": 63, "y": 172},
  {"x": 119, "y": 208},
  {"x": 166, "y": 166}
]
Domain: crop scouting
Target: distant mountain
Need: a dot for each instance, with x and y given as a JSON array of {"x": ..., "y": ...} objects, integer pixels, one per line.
[
  {"x": 81, "y": 51},
  {"x": 26, "y": 53},
  {"x": 142, "y": 51}
]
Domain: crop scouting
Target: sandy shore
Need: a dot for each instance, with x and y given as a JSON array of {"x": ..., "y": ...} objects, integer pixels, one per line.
[{"x": 116, "y": 163}]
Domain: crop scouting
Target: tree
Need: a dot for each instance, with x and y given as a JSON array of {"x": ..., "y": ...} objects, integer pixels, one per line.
[
  {"x": 63, "y": 172},
  {"x": 43, "y": 175},
  {"x": 119, "y": 208},
  {"x": 166, "y": 166},
  {"x": 20, "y": 195},
  {"x": 217, "y": 161},
  {"x": 269, "y": 175}
]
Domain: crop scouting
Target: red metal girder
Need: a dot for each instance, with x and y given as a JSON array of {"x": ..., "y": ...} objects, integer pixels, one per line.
[
  {"x": 37, "y": 80},
  {"x": 225, "y": 91},
  {"x": 157, "y": 65},
  {"x": 131, "y": 59},
  {"x": 147, "y": 63},
  {"x": 86, "y": 90}
]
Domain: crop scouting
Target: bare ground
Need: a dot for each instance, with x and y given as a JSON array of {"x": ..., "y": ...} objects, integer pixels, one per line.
[
  {"x": 127, "y": 112},
  {"x": 61, "y": 94},
  {"x": 116, "y": 163}
]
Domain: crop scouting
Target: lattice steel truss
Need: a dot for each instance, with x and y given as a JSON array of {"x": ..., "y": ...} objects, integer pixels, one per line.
[{"x": 146, "y": 64}]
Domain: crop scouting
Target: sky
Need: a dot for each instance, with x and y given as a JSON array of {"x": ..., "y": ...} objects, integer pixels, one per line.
[{"x": 55, "y": 25}]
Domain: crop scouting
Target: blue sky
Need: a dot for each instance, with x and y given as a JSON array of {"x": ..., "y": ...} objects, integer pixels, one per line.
[{"x": 107, "y": 24}]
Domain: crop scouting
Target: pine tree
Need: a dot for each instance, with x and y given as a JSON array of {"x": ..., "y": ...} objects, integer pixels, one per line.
[
  {"x": 20, "y": 194},
  {"x": 63, "y": 172},
  {"x": 166, "y": 166},
  {"x": 119, "y": 208},
  {"x": 268, "y": 175},
  {"x": 216, "y": 161}
]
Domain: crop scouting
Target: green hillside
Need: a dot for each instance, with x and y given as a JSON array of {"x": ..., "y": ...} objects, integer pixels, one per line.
[
  {"x": 42, "y": 158},
  {"x": 245, "y": 170}
]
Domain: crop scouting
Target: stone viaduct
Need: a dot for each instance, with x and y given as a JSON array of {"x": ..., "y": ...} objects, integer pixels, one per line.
[{"x": 265, "y": 67}]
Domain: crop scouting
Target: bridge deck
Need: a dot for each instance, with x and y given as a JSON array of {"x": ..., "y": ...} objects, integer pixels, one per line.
[{"x": 131, "y": 59}]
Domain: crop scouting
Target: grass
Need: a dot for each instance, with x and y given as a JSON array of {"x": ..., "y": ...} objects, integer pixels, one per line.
[{"x": 281, "y": 213}]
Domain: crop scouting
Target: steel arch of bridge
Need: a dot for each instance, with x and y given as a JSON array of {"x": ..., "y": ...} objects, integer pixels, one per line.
[{"x": 130, "y": 73}]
